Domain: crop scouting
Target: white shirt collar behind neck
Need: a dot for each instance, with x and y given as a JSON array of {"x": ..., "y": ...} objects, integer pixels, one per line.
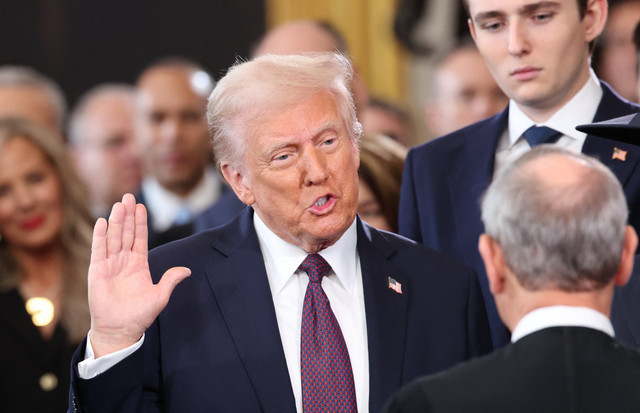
[{"x": 561, "y": 316}]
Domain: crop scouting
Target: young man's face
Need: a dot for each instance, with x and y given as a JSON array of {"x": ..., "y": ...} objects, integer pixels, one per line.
[{"x": 537, "y": 50}]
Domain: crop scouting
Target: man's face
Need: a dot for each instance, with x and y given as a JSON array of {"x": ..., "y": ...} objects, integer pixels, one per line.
[
  {"x": 108, "y": 157},
  {"x": 536, "y": 50},
  {"x": 463, "y": 96},
  {"x": 172, "y": 128},
  {"x": 618, "y": 61},
  {"x": 300, "y": 173}
]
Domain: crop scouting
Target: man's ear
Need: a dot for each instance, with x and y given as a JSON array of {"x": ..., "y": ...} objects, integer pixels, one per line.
[
  {"x": 493, "y": 259},
  {"x": 472, "y": 28},
  {"x": 629, "y": 246},
  {"x": 236, "y": 180},
  {"x": 595, "y": 18}
]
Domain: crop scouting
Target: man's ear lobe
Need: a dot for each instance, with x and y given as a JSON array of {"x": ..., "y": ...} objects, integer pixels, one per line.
[
  {"x": 494, "y": 264},
  {"x": 236, "y": 180}
]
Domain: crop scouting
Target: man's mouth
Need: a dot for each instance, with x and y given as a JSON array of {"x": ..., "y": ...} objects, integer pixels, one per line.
[{"x": 321, "y": 201}]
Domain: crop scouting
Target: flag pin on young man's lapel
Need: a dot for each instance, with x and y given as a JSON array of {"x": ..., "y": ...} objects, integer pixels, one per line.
[{"x": 395, "y": 285}]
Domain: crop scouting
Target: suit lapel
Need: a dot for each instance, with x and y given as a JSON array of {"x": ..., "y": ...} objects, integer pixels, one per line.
[
  {"x": 385, "y": 312},
  {"x": 241, "y": 288},
  {"x": 471, "y": 173},
  {"x": 612, "y": 106}
]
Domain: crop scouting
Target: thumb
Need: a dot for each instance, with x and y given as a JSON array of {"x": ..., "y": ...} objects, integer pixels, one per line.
[{"x": 170, "y": 279}]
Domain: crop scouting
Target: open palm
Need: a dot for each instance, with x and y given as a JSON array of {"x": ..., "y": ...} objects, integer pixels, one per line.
[{"x": 122, "y": 297}]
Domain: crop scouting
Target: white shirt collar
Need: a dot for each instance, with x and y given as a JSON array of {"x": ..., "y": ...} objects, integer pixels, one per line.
[
  {"x": 561, "y": 316},
  {"x": 579, "y": 110},
  {"x": 163, "y": 204},
  {"x": 282, "y": 259}
]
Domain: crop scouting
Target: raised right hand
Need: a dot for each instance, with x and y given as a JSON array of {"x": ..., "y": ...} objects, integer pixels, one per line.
[{"x": 122, "y": 297}]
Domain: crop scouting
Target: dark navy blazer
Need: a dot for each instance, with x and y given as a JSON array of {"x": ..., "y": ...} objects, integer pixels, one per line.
[
  {"x": 444, "y": 180},
  {"x": 216, "y": 346}
]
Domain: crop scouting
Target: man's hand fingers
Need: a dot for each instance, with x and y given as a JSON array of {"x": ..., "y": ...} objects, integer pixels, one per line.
[
  {"x": 140, "y": 243},
  {"x": 99, "y": 243},
  {"x": 128, "y": 228},
  {"x": 114, "y": 231},
  {"x": 170, "y": 279}
]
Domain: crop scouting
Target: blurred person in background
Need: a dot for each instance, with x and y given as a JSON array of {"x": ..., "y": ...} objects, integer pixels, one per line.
[
  {"x": 615, "y": 60},
  {"x": 463, "y": 91},
  {"x": 28, "y": 94},
  {"x": 102, "y": 140},
  {"x": 179, "y": 180},
  {"x": 380, "y": 173},
  {"x": 387, "y": 118},
  {"x": 45, "y": 245},
  {"x": 312, "y": 36}
]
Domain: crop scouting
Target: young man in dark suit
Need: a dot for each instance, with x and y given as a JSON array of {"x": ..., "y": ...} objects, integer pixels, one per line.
[
  {"x": 238, "y": 334},
  {"x": 539, "y": 53},
  {"x": 556, "y": 244}
]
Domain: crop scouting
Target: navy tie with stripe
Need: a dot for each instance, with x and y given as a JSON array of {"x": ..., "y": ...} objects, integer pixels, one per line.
[
  {"x": 537, "y": 135},
  {"x": 327, "y": 378}
]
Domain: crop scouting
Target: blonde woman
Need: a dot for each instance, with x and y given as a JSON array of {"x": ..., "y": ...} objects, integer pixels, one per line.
[{"x": 45, "y": 230}]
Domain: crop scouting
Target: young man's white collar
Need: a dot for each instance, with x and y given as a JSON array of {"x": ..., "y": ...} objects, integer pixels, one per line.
[{"x": 579, "y": 110}]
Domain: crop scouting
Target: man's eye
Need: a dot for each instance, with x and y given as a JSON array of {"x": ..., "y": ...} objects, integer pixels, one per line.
[
  {"x": 282, "y": 157},
  {"x": 329, "y": 141}
]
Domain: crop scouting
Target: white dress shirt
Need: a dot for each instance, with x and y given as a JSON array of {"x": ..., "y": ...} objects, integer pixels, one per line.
[
  {"x": 343, "y": 287},
  {"x": 579, "y": 110},
  {"x": 165, "y": 205},
  {"x": 561, "y": 316}
]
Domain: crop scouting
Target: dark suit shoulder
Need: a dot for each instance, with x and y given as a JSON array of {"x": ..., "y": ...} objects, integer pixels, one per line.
[{"x": 557, "y": 369}]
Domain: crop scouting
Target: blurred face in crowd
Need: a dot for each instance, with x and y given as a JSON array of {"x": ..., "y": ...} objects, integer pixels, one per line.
[
  {"x": 464, "y": 93},
  {"x": 107, "y": 157},
  {"x": 171, "y": 127},
  {"x": 306, "y": 36},
  {"x": 300, "y": 173},
  {"x": 618, "y": 59},
  {"x": 30, "y": 196},
  {"x": 376, "y": 120},
  {"x": 537, "y": 50},
  {"x": 369, "y": 208},
  {"x": 28, "y": 102}
]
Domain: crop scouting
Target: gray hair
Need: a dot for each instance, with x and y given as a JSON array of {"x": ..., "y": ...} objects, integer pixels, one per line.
[
  {"x": 77, "y": 120},
  {"x": 258, "y": 88},
  {"x": 567, "y": 237},
  {"x": 26, "y": 76}
]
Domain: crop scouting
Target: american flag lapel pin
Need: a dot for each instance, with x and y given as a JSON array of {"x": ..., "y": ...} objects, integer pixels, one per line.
[
  {"x": 395, "y": 285},
  {"x": 619, "y": 154}
]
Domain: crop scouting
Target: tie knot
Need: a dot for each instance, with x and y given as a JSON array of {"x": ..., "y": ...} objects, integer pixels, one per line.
[
  {"x": 316, "y": 267},
  {"x": 537, "y": 135}
]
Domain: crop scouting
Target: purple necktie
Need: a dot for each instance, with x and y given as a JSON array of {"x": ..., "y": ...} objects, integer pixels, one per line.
[{"x": 327, "y": 379}]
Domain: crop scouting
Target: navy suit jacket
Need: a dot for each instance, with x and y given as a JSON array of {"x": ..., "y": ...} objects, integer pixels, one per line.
[
  {"x": 216, "y": 346},
  {"x": 444, "y": 180},
  {"x": 625, "y": 310}
]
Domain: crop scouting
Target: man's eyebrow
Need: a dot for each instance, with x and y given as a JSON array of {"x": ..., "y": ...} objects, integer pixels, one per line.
[
  {"x": 526, "y": 9},
  {"x": 486, "y": 15}
]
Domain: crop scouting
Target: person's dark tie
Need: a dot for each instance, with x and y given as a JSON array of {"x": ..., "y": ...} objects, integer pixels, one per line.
[
  {"x": 327, "y": 378},
  {"x": 537, "y": 135}
]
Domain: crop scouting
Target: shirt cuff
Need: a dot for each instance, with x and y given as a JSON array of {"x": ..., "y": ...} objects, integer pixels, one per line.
[{"x": 90, "y": 367}]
